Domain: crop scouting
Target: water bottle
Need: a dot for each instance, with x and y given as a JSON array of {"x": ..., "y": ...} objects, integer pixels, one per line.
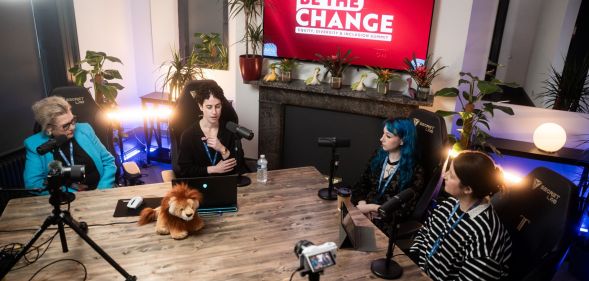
[{"x": 262, "y": 175}]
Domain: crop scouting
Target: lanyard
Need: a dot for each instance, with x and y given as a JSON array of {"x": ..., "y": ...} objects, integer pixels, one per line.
[
  {"x": 382, "y": 188},
  {"x": 212, "y": 159},
  {"x": 443, "y": 235},
  {"x": 71, "y": 155}
]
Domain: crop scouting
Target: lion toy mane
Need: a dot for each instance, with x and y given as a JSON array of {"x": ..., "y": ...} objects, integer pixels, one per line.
[{"x": 178, "y": 213}]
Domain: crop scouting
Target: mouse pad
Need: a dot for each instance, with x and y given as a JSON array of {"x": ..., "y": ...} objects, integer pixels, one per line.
[{"x": 122, "y": 211}]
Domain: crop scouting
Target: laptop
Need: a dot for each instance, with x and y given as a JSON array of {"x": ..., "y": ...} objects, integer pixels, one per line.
[{"x": 219, "y": 192}]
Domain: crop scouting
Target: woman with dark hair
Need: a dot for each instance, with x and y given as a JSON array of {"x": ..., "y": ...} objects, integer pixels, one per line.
[
  {"x": 463, "y": 239},
  {"x": 391, "y": 170},
  {"x": 206, "y": 147}
]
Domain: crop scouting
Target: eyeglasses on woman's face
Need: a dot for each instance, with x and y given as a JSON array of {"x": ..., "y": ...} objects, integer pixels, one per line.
[{"x": 67, "y": 125}]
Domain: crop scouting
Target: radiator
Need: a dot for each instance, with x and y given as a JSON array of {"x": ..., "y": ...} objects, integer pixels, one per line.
[{"x": 12, "y": 167}]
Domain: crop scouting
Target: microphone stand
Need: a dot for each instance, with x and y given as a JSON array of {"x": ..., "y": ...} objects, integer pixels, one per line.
[
  {"x": 386, "y": 268},
  {"x": 328, "y": 193},
  {"x": 241, "y": 180}
]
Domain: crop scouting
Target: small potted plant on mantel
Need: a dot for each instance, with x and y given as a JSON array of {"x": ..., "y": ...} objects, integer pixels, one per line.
[
  {"x": 286, "y": 67},
  {"x": 383, "y": 77},
  {"x": 335, "y": 65},
  {"x": 423, "y": 74}
]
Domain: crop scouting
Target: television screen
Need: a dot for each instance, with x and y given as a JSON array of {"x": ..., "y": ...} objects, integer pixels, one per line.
[{"x": 378, "y": 32}]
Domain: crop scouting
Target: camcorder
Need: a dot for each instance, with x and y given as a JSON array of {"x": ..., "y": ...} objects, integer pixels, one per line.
[
  {"x": 73, "y": 173},
  {"x": 313, "y": 257}
]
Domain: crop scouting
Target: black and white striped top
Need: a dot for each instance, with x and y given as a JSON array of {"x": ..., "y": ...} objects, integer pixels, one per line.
[{"x": 478, "y": 248}]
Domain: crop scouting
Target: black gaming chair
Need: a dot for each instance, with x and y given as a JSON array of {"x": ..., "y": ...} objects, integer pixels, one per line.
[
  {"x": 88, "y": 111},
  {"x": 432, "y": 154},
  {"x": 541, "y": 215},
  {"x": 187, "y": 113}
]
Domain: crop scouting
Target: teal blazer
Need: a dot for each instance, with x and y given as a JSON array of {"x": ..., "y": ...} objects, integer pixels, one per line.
[{"x": 36, "y": 168}]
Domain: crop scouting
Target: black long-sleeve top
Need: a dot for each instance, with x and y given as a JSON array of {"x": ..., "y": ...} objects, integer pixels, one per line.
[
  {"x": 192, "y": 156},
  {"x": 367, "y": 189}
]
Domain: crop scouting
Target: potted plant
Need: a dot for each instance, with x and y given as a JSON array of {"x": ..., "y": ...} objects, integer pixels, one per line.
[
  {"x": 568, "y": 90},
  {"x": 473, "y": 119},
  {"x": 250, "y": 65},
  {"x": 335, "y": 65},
  {"x": 178, "y": 72},
  {"x": 105, "y": 91},
  {"x": 286, "y": 67},
  {"x": 211, "y": 52},
  {"x": 423, "y": 74},
  {"x": 383, "y": 77}
]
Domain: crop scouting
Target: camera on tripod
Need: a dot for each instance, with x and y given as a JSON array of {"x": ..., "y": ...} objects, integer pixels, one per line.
[
  {"x": 315, "y": 258},
  {"x": 65, "y": 175}
]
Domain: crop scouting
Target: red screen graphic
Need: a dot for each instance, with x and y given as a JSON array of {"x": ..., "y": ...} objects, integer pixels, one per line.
[{"x": 379, "y": 32}]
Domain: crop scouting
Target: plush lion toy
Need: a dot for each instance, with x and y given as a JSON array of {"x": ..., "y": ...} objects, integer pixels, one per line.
[{"x": 179, "y": 216}]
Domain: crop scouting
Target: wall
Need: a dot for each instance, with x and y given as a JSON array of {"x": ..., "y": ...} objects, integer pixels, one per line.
[
  {"x": 554, "y": 30},
  {"x": 130, "y": 25}
]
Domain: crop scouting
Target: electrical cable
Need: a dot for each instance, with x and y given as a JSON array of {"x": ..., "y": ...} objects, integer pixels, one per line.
[
  {"x": 61, "y": 260},
  {"x": 293, "y": 273}
]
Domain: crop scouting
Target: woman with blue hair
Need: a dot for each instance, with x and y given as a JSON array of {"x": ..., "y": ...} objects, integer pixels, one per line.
[{"x": 391, "y": 169}]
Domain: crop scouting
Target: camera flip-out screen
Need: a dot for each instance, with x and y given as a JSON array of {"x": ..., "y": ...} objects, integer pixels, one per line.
[{"x": 320, "y": 261}]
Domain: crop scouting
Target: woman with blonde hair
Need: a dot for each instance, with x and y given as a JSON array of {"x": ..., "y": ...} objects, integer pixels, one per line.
[{"x": 81, "y": 147}]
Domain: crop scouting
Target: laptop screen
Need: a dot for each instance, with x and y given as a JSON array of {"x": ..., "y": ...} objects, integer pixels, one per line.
[{"x": 219, "y": 192}]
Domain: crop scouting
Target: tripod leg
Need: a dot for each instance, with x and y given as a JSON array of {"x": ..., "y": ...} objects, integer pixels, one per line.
[
  {"x": 6, "y": 268},
  {"x": 62, "y": 237},
  {"x": 67, "y": 219}
]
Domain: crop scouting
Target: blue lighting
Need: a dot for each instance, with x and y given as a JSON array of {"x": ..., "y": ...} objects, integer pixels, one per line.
[
  {"x": 205, "y": 185},
  {"x": 584, "y": 229}
]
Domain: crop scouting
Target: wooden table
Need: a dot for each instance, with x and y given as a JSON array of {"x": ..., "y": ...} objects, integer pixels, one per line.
[{"x": 255, "y": 243}]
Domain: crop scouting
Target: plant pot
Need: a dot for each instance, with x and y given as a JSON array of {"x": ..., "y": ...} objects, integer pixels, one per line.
[
  {"x": 422, "y": 93},
  {"x": 285, "y": 76},
  {"x": 250, "y": 67},
  {"x": 335, "y": 82},
  {"x": 382, "y": 88}
]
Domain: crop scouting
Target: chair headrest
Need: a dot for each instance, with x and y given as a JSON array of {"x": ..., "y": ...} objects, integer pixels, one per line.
[
  {"x": 83, "y": 105},
  {"x": 431, "y": 138}
]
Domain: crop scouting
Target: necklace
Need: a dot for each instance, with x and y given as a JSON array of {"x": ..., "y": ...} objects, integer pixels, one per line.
[{"x": 392, "y": 163}]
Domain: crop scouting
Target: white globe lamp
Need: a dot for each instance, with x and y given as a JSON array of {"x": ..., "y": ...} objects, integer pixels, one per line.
[{"x": 549, "y": 137}]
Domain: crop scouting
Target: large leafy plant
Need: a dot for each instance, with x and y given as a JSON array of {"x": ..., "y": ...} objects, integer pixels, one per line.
[
  {"x": 474, "y": 121},
  {"x": 252, "y": 10},
  {"x": 568, "y": 90},
  {"x": 211, "y": 51},
  {"x": 105, "y": 91},
  {"x": 179, "y": 71}
]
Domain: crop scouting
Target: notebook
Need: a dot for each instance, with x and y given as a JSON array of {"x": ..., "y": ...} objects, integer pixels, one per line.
[{"x": 219, "y": 192}]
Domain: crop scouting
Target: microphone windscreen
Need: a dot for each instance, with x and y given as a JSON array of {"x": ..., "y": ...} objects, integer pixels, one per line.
[
  {"x": 54, "y": 165},
  {"x": 231, "y": 126}
]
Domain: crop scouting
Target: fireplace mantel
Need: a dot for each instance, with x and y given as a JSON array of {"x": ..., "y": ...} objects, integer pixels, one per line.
[{"x": 274, "y": 96}]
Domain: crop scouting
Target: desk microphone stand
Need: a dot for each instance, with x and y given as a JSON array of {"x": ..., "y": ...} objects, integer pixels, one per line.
[
  {"x": 328, "y": 193},
  {"x": 386, "y": 268},
  {"x": 241, "y": 180},
  {"x": 60, "y": 217}
]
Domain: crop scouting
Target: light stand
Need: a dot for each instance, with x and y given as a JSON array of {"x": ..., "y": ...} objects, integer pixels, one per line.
[
  {"x": 60, "y": 217},
  {"x": 241, "y": 180},
  {"x": 328, "y": 193},
  {"x": 386, "y": 268}
]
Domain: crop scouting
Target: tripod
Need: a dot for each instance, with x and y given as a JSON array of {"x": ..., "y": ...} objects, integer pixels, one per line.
[
  {"x": 387, "y": 268},
  {"x": 60, "y": 217},
  {"x": 241, "y": 180}
]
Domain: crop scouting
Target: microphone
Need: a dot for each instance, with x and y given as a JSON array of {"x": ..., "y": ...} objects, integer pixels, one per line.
[
  {"x": 333, "y": 142},
  {"x": 396, "y": 202},
  {"x": 51, "y": 144},
  {"x": 240, "y": 131}
]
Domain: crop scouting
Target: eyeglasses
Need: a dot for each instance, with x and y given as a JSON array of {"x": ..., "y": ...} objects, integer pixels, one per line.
[{"x": 68, "y": 125}]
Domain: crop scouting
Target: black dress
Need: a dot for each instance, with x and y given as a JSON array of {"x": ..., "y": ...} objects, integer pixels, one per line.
[
  {"x": 194, "y": 156},
  {"x": 367, "y": 189}
]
